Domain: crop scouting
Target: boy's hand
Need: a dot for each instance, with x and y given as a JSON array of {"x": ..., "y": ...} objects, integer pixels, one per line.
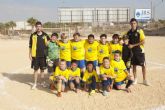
[
  {"x": 131, "y": 46},
  {"x": 30, "y": 57}
]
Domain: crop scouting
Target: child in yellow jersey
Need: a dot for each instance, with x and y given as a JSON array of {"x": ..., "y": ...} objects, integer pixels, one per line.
[
  {"x": 121, "y": 72},
  {"x": 65, "y": 49},
  {"x": 103, "y": 48},
  {"x": 90, "y": 78},
  {"x": 114, "y": 45},
  {"x": 91, "y": 50},
  {"x": 106, "y": 75},
  {"x": 78, "y": 51},
  {"x": 60, "y": 77},
  {"x": 74, "y": 76}
]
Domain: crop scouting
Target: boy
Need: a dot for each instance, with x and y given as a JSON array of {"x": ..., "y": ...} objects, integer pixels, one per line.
[
  {"x": 65, "y": 49},
  {"x": 60, "y": 77},
  {"x": 77, "y": 51},
  {"x": 106, "y": 75},
  {"x": 91, "y": 50},
  {"x": 126, "y": 52},
  {"x": 114, "y": 45},
  {"x": 121, "y": 72},
  {"x": 53, "y": 54},
  {"x": 37, "y": 46},
  {"x": 90, "y": 78},
  {"x": 74, "y": 76},
  {"x": 103, "y": 48}
]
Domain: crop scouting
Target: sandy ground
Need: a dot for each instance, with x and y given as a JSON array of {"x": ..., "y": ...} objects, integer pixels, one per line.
[{"x": 16, "y": 79}]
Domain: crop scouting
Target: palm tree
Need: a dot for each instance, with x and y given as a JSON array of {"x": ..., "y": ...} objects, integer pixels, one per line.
[
  {"x": 12, "y": 24},
  {"x": 32, "y": 21}
]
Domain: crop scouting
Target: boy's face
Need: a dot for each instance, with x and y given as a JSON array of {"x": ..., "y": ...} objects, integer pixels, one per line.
[
  {"x": 76, "y": 38},
  {"x": 38, "y": 28},
  {"x": 106, "y": 63},
  {"x": 115, "y": 40},
  {"x": 90, "y": 40},
  {"x": 64, "y": 39},
  {"x": 62, "y": 65},
  {"x": 117, "y": 56},
  {"x": 90, "y": 67},
  {"x": 53, "y": 38},
  {"x": 103, "y": 40},
  {"x": 73, "y": 66},
  {"x": 133, "y": 25},
  {"x": 126, "y": 41}
]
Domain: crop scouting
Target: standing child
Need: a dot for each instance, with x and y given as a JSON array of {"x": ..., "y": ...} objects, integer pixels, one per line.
[
  {"x": 121, "y": 72},
  {"x": 60, "y": 77},
  {"x": 74, "y": 76},
  {"x": 114, "y": 45},
  {"x": 126, "y": 52},
  {"x": 106, "y": 75},
  {"x": 53, "y": 54},
  {"x": 90, "y": 78}
]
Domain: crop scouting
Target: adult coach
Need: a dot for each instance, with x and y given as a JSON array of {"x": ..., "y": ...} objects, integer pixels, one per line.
[
  {"x": 37, "y": 46},
  {"x": 136, "y": 44}
]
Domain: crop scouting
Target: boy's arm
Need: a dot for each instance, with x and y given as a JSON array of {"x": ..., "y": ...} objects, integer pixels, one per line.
[{"x": 30, "y": 48}]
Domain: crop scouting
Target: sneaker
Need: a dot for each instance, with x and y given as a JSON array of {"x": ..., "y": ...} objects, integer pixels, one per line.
[
  {"x": 43, "y": 84},
  {"x": 59, "y": 94},
  {"x": 34, "y": 87},
  {"x": 92, "y": 92},
  {"x": 135, "y": 81},
  {"x": 105, "y": 93},
  {"x": 146, "y": 83}
]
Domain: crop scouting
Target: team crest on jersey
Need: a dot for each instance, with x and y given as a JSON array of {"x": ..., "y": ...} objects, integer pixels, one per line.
[
  {"x": 63, "y": 48},
  {"x": 74, "y": 48},
  {"x": 101, "y": 51},
  {"x": 89, "y": 49},
  {"x": 116, "y": 69}
]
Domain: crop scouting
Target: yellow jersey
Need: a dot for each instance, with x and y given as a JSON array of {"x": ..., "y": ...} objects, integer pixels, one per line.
[
  {"x": 87, "y": 76},
  {"x": 78, "y": 50},
  {"x": 59, "y": 72},
  {"x": 119, "y": 69},
  {"x": 103, "y": 51},
  {"x": 65, "y": 50},
  {"x": 73, "y": 73},
  {"x": 113, "y": 47},
  {"x": 91, "y": 51},
  {"x": 107, "y": 71}
]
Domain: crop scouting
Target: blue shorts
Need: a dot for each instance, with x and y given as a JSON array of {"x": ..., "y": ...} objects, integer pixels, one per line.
[
  {"x": 68, "y": 63},
  {"x": 119, "y": 83},
  {"x": 81, "y": 63},
  {"x": 95, "y": 63}
]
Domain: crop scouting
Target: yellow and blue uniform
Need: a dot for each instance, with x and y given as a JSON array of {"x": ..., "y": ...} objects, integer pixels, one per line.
[
  {"x": 119, "y": 70},
  {"x": 88, "y": 76},
  {"x": 103, "y": 51},
  {"x": 59, "y": 72},
  {"x": 74, "y": 73},
  {"x": 112, "y": 48},
  {"x": 78, "y": 52}
]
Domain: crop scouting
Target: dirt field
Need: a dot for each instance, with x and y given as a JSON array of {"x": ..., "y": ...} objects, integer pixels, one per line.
[{"x": 16, "y": 79}]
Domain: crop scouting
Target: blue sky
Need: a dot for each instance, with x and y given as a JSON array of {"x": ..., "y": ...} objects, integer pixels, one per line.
[{"x": 46, "y": 10}]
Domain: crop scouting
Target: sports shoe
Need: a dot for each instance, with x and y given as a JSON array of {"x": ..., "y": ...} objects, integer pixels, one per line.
[
  {"x": 146, "y": 83},
  {"x": 59, "y": 94},
  {"x": 92, "y": 92},
  {"x": 105, "y": 93},
  {"x": 135, "y": 81},
  {"x": 34, "y": 87}
]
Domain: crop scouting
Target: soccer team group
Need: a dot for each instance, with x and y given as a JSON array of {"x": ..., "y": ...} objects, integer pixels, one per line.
[{"x": 88, "y": 64}]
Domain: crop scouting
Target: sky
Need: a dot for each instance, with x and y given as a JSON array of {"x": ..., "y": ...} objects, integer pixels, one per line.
[{"x": 46, "y": 10}]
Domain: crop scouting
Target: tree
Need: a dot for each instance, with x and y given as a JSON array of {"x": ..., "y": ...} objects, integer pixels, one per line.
[
  {"x": 12, "y": 24},
  {"x": 2, "y": 27},
  {"x": 32, "y": 21}
]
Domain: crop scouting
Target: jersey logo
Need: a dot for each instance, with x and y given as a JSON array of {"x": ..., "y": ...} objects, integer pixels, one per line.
[
  {"x": 74, "y": 48},
  {"x": 62, "y": 48},
  {"x": 89, "y": 49},
  {"x": 101, "y": 51}
]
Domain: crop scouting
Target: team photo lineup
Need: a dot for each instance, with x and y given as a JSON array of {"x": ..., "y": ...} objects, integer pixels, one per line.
[{"x": 90, "y": 64}]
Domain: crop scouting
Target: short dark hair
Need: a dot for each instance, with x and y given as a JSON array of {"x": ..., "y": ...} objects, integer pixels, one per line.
[
  {"x": 76, "y": 34},
  {"x": 106, "y": 58},
  {"x": 133, "y": 19},
  {"x": 115, "y": 36},
  {"x": 62, "y": 60},
  {"x": 54, "y": 34},
  {"x": 103, "y": 35},
  {"x": 125, "y": 37},
  {"x": 91, "y": 35},
  {"x": 90, "y": 62},
  {"x": 38, "y": 23},
  {"x": 74, "y": 61},
  {"x": 117, "y": 52}
]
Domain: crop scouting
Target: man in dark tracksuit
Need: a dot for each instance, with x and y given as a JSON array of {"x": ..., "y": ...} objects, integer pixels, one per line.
[
  {"x": 37, "y": 47},
  {"x": 136, "y": 44}
]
